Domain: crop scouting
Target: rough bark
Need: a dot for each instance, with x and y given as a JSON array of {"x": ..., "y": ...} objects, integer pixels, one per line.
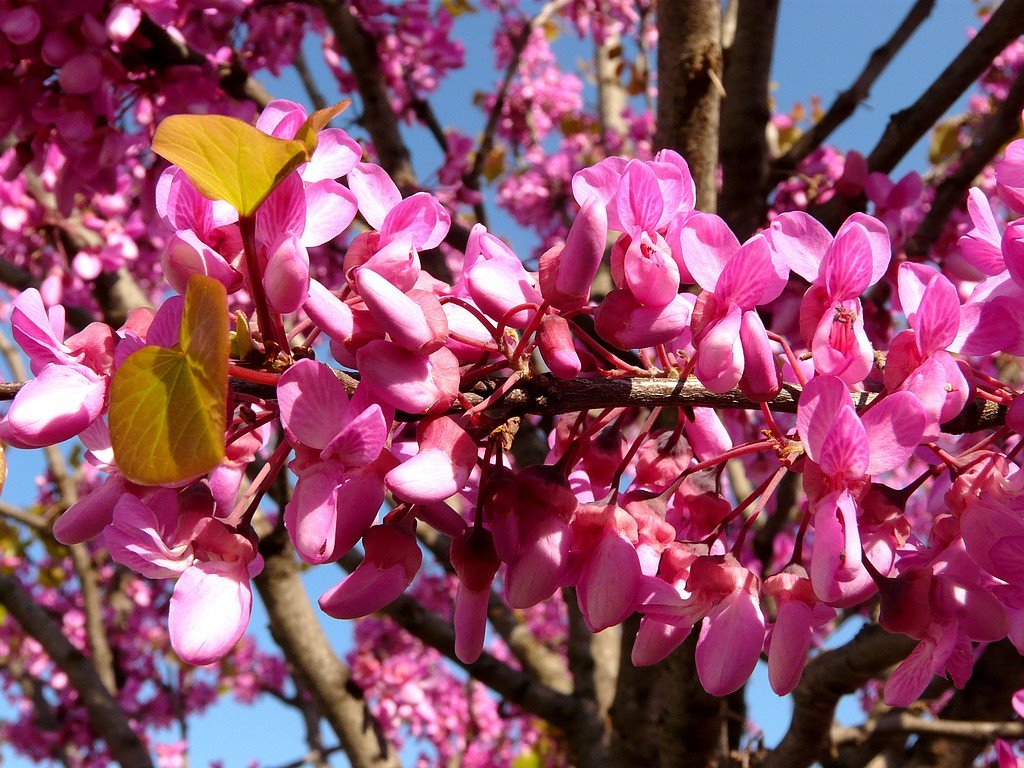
[
  {"x": 296, "y": 629},
  {"x": 690, "y": 88},
  {"x": 743, "y": 142}
]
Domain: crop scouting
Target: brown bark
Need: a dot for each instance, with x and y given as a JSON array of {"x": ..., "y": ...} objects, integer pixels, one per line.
[
  {"x": 743, "y": 141},
  {"x": 689, "y": 88},
  {"x": 296, "y": 628}
]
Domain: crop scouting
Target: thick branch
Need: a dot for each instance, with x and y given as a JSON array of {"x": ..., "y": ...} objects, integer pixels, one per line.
[
  {"x": 826, "y": 679},
  {"x": 689, "y": 88},
  {"x": 742, "y": 137},
  {"x": 997, "y": 131},
  {"x": 106, "y": 718},
  {"x": 848, "y": 101},
  {"x": 909, "y": 125},
  {"x": 296, "y": 629}
]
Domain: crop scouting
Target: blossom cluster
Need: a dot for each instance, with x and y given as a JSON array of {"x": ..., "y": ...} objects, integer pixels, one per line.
[{"x": 630, "y": 507}]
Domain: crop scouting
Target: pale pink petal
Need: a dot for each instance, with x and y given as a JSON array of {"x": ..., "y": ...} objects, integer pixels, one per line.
[
  {"x": 56, "y": 405},
  {"x": 335, "y": 155},
  {"x": 801, "y": 241},
  {"x": 421, "y": 218},
  {"x": 134, "y": 539},
  {"x": 706, "y": 245},
  {"x": 187, "y": 255},
  {"x": 651, "y": 273},
  {"x": 361, "y": 437},
  {"x": 209, "y": 611},
  {"x": 427, "y": 477},
  {"x": 1010, "y": 176},
  {"x": 375, "y": 191},
  {"x": 720, "y": 353},
  {"x": 283, "y": 212},
  {"x": 599, "y": 183},
  {"x": 397, "y": 313},
  {"x": 878, "y": 241},
  {"x": 31, "y": 327},
  {"x": 286, "y": 277},
  {"x": 981, "y": 246},
  {"x": 330, "y": 208}
]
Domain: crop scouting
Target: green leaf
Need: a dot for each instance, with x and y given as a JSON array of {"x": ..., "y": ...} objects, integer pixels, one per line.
[
  {"x": 317, "y": 122},
  {"x": 228, "y": 159},
  {"x": 168, "y": 406}
]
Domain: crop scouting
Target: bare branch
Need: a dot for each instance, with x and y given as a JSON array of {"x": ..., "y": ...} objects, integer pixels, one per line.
[
  {"x": 296, "y": 629},
  {"x": 826, "y": 679},
  {"x": 689, "y": 88},
  {"x": 848, "y": 101},
  {"x": 909, "y": 125},
  {"x": 106, "y": 718},
  {"x": 906, "y": 723},
  {"x": 742, "y": 138},
  {"x": 1000, "y": 127}
]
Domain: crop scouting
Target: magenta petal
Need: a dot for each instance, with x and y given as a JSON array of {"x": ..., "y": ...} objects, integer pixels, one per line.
[
  {"x": 791, "y": 640},
  {"x": 627, "y": 324},
  {"x": 283, "y": 213},
  {"x": 760, "y": 372},
  {"x": 893, "y": 429},
  {"x": 911, "y": 677},
  {"x": 359, "y": 499},
  {"x": 31, "y": 327},
  {"x": 655, "y": 640},
  {"x": 88, "y": 516},
  {"x": 749, "y": 277},
  {"x": 729, "y": 645},
  {"x": 361, "y": 439},
  {"x": 981, "y": 245},
  {"x": 311, "y": 515},
  {"x": 134, "y": 539},
  {"x": 720, "y": 352},
  {"x": 209, "y": 611},
  {"x": 398, "y": 314},
  {"x": 836, "y": 556},
  {"x": 409, "y": 381},
  {"x": 332, "y": 315},
  {"x": 845, "y": 449},
  {"x": 470, "y": 623},
  {"x": 609, "y": 582},
  {"x": 651, "y": 273},
  {"x": 847, "y": 265},
  {"x": 638, "y": 199},
  {"x": 312, "y": 402},
  {"x": 543, "y": 557},
  {"x": 820, "y": 403},
  {"x": 420, "y": 218},
  {"x": 365, "y": 590},
  {"x": 187, "y": 255},
  {"x": 566, "y": 277},
  {"x": 281, "y": 118}
]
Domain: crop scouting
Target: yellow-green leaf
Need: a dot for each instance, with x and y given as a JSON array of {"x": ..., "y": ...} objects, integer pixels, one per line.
[
  {"x": 317, "y": 122},
  {"x": 228, "y": 159},
  {"x": 168, "y": 406}
]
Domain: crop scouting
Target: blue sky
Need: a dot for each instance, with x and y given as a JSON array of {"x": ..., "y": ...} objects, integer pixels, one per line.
[{"x": 821, "y": 46}]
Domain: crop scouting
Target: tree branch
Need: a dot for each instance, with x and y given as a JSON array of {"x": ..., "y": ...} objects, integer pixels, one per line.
[
  {"x": 848, "y": 101},
  {"x": 106, "y": 718},
  {"x": 296, "y": 629},
  {"x": 1000, "y": 127},
  {"x": 826, "y": 679},
  {"x": 909, "y": 125},
  {"x": 906, "y": 723},
  {"x": 689, "y": 88},
  {"x": 742, "y": 136}
]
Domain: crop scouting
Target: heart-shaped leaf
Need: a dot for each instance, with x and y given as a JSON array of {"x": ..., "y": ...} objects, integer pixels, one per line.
[
  {"x": 168, "y": 405},
  {"x": 317, "y": 122},
  {"x": 228, "y": 159}
]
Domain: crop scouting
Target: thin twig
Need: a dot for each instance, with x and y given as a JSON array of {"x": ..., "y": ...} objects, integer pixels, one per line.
[{"x": 906, "y": 723}]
